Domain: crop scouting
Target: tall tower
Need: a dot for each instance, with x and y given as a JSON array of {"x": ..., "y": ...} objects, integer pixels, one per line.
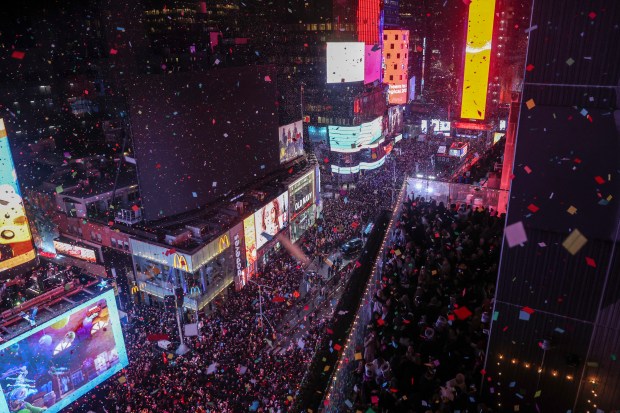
[{"x": 555, "y": 338}]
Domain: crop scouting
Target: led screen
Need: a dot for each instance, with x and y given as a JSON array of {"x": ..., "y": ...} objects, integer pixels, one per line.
[
  {"x": 75, "y": 251},
  {"x": 412, "y": 89},
  {"x": 301, "y": 194},
  {"x": 15, "y": 238},
  {"x": 345, "y": 62},
  {"x": 291, "y": 141},
  {"x": 372, "y": 64},
  {"x": 348, "y": 139},
  {"x": 57, "y": 362},
  {"x": 362, "y": 166},
  {"x": 249, "y": 231},
  {"x": 317, "y": 134},
  {"x": 477, "y": 59},
  {"x": 204, "y": 135},
  {"x": 395, "y": 61},
  {"x": 395, "y": 120},
  {"x": 271, "y": 219}
]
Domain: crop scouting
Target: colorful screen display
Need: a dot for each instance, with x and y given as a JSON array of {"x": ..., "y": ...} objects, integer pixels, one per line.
[
  {"x": 477, "y": 59},
  {"x": 291, "y": 141},
  {"x": 363, "y": 166},
  {"x": 395, "y": 61},
  {"x": 249, "y": 231},
  {"x": 345, "y": 62},
  {"x": 349, "y": 139},
  {"x": 412, "y": 89},
  {"x": 57, "y": 362},
  {"x": 395, "y": 120},
  {"x": 372, "y": 64},
  {"x": 75, "y": 251},
  {"x": 16, "y": 245},
  {"x": 301, "y": 194},
  {"x": 271, "y": 219}
]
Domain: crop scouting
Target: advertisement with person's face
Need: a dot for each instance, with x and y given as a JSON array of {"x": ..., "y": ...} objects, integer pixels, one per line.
[
  {"x": 291, "y": 141},
  {"x": 15, "y": 239},
  {"x": 271, "y": 219},
  {"x": 395, "y": 120}
]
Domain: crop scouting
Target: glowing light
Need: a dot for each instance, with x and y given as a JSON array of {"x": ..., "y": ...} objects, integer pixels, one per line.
[{"x": 477, "y": 59}]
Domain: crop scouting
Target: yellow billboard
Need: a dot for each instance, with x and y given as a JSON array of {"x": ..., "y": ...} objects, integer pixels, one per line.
[
  {"x": 15, "y": 238},
  {"x": 477, "y": 59}
]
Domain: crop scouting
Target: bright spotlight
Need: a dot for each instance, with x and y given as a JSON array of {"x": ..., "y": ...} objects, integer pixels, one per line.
[{"x": 418, "y": 186}]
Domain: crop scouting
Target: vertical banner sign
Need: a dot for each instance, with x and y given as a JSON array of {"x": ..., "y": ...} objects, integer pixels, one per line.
[
  {"x": 477, "y": 59},
  {"x": 16, "y": 246},
  {"x": 240, "y": 259},
  {"x": 249, "y": 231}
]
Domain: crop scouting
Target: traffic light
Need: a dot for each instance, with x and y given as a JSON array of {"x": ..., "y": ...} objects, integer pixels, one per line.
[{"x": 178, "y": 292}]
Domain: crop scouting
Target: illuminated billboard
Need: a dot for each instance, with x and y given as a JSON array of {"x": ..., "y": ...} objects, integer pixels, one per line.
[
  {"x": 412, "y": 89},
  {"x": 362, "y": 166},
  {"x": 301, "y": 194},
  {"x": 16, "y": 245},
  {"x": 395, "y": 120},
  {"x": 395, "y": 61},
  {"x": 372, "y": 64},
  {"x": 291, "y": 141},
  {"x": 50, "y": 366},
  {"x": 271, "y": 219},
  {"x": 249, "y": 232},
  {"x": 477, "y": 59},
  {"x": 75, "y": 251},
  {"x": 345, "y": 62},
  {"x": 348, "y": 139}
]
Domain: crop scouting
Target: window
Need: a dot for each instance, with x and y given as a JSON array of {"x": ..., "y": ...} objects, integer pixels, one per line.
[
  {"x": 391, "y": 77},
  {"x": 398, "y": 55},
  {"x": 126, "y": 245},
  {"x": 113, "y": 242},
  {"x": 389, "y": 56},
  {"x": 395, "y": 67},
  {"x": 395, "y": 37},
  {"x": 391, "y": 45},
  {"x": 402, "y": 46},
  {"x": 404, "y": 37},
  {"x": 92, "y": 236},
  {"x": 401, "y": 77},
  {"x": 385, "y": 37},
  {"x": 98, "y": 237}
]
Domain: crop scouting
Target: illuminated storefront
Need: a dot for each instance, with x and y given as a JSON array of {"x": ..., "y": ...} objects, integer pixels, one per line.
[
  {"x": 16, "y": 247},
  {"x": 477, "y": 59},
  {"x": 203, "y": 273},
  {"x": 302, "y": 205}
]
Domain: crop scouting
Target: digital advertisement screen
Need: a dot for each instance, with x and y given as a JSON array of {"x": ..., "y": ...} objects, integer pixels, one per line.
[
  {"x": 249, "y": 231},
  {"x": 362, "y": 166},
  {"x": 477, "y": 59},
  {"x": 345, "y": 62},
  {"x": 412, "y": 89},
  {"x": 291, "y": 141},
  {"x": 271, "y": 219},
  {"x": 59, "y": 361},
  {"x": 16, "y": 245},
  {"x": 348, "y": 139},
  {"x": 206, "y": 133},
  {"x": 317, "y": 133},
  {"x": 395, "y": 120},
  {"x": 395, "y": 61},
  {"x": 372, "y": 64},
  {"x": 301, "y": 194},
  {"x": 75, "y": 251}
]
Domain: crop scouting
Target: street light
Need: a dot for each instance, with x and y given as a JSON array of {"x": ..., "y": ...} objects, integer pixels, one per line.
[{"x": 260, "y": 303}]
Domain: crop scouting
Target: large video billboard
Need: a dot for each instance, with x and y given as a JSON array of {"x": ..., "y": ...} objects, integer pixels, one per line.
[
  {"x": 395, "y": 120},
  {"x": 16, "y": 245},
  {"x": 348, "y": 139},
  {"x": 249, "y": 233},
  {"x": 301, "y": 194},
  {"x": 395, "y": 61},
  {"x": 345, "y": 62},
  {"x": 271, "y": 219},
  {"x": 57, "y": 362},
  {"x": 372, "y": 64},
  {"x": 203, "y": 136},
  {"x": 291, "y": 141},
  {"x": 75, "y": 251},
  {"x": 477, "y": 59}
]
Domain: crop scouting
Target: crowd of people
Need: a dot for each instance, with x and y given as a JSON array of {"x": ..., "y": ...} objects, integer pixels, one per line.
[
  {"x": 250, "y": 354},
  {"x": 424, "y": 348}
]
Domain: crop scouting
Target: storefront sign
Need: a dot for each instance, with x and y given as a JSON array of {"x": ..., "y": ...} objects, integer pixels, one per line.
[
  {"x": 180, "y": 263},
  {"x": 75, "y": 251}
]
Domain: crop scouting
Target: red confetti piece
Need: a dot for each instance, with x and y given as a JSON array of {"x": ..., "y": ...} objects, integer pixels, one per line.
[
  {"x": 326, "y": 160},
  {"x": 18, "y": 55},
  {"x": 577, "y": 160},
  {"x": 590, "y": 262},
  {"x": 113, "y": 52},
  {"x": 529, "y": 67},
  {"x": 533, "y": 208},
  {"x": 505, "y": 329},
  {"x": 463, "y": 313},
  {"x": 528, "y": 169},
  {"x": 483, "y": 372},
  {"x": 592, "y": 15},
  {"x": 599, "y": 180},
  {"x": 527, "y": 310},
  {"x": 381, "y": 321},
  {"x": 337, "y": 347},
  {"x": 135, "y": 208}
]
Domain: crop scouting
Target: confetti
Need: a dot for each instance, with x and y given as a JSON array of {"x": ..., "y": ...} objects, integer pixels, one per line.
[
  {"x": 530, "y": 104},
  {"x": 572, "y": 210},
  {"x": 574, "y": 242}
]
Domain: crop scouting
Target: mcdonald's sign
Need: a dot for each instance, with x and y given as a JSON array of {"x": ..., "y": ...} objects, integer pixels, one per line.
[
  {"x": 134, "y": 289},
  {"x": 222, "y": 243},
  {"x": 195, "y": 291},
  {"x": 180, "y": 262}
]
